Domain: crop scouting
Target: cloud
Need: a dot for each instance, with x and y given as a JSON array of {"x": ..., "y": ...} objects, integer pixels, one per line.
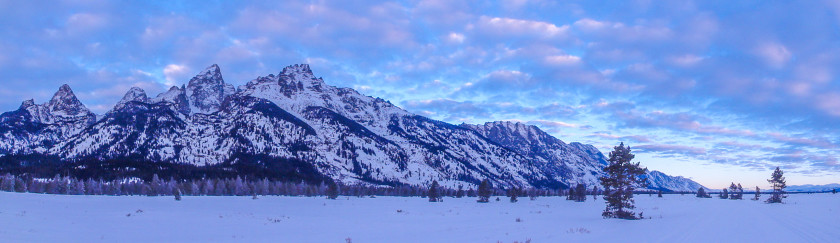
[
  {"x": 175, "y": 73},
  {"x": 669, "y": 149},
  {"x": 774, "y": 54},
  {"x": 511, "y": 27}
]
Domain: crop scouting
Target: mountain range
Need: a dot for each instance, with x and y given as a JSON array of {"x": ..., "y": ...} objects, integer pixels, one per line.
[{"x": 290, "y": 126}]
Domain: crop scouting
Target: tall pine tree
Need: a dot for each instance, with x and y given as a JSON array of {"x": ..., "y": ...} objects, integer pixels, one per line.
[
  {"x": 434, "y": 194},
  {"x": 777, "y": 180},
  {"x": 621, "y": 176},
  {"x": 484, "y": 191}
]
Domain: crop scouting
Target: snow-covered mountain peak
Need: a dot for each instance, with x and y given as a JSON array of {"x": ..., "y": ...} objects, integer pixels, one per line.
[
  {"x": 206, "y": 91},
  {"x": 297, "y": 68},
  {"x": 133, "y": 94},
  {"x": 27, "y": 103},
  {"x": 175, "y": 96},
  {"x": 211, "y": 71},
  {"x": 512, "y": 132},
  {"x": 65, "y": 104},
  {"x": 300, "y": 75}
]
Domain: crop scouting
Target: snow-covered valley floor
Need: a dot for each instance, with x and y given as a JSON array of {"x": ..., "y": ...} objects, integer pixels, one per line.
[{"x": 28, "y": 217}]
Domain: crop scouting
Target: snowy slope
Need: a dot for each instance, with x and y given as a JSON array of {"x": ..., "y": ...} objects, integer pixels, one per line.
[
  {"x": 660, "y": 181},
  {"x": 295, "y": 116},
  {"x": 30, "y": 217},
  {"x": 813, "y": 188},
  {"x": 34, "y": 128}
]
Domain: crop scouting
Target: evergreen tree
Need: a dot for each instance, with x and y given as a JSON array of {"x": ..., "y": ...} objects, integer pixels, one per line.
[
  {"x": 513, "y": 193},
  {"x": 460, "y": 192},
  {"x": 736, "y": 192},
  {"x": 434, "y": 194},
  {"x": 757, "y": 194},
  {"x": 533, "y": 194},
  {"x": 177, "y": 193},
  {"x": 659, "y": 193},
  {"x": 618, "y": 183},
  {"x": 594, "y": 192},
  {"x": 834, "y": 191},
  {"x": 777, "y": 180},
  {"x": 484, "y": 191},
  {"x": 332, "y": 190},
  {"x": 701, "y": 193},
  {"x": 724, "y": 194},
  {"x": 580, "y": 193}
]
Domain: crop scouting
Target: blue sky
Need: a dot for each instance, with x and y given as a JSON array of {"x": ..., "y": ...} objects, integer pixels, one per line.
[{"x": 715, "y": 91}]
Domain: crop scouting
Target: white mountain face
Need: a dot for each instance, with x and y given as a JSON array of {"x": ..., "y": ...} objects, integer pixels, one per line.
[
  {"x": 661, "y": 181},
  {"x": 207, "y": 90},
  {"x": 34, "y": 128},
  {"x": 295, "y": 123}
]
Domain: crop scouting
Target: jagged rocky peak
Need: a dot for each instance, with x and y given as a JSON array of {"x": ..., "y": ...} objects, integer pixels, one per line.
[
  {"x": 133, "y": 94},
  {"x": 206, "y": 91},
  {"x": 175, "y": 96},
  {"x": 65, "y": 103},
  {"x": 300, "y": 75},
  {"x": 505, "y": 130},
  {"x": 27, "y": 103}
]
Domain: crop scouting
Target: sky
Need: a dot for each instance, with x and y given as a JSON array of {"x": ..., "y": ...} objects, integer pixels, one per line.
[{"x": 715, "y": 91}]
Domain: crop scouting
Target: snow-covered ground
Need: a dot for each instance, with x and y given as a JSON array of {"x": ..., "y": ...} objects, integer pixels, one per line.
[{"x": 28, "y": 217}]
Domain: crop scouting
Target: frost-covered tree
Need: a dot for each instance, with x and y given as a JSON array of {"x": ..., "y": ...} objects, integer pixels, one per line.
[
  {"x": 757, "y": 194},
  {"x": 659, "y": 193},
  {"x": 7, "y": 183},
  {"x": 460, "y": 192},
  {"x": 618, "y": 183},
  {"x": 834, "y": 191},
  {"x": 434, "y": 194},
  {"x": 736, "y": 192},
  {"x": 724, "y": 194},
  {"x": 777, "y": 180},
  {"x": 484, "y": 191},
  {"x": 156, "y": 186}
]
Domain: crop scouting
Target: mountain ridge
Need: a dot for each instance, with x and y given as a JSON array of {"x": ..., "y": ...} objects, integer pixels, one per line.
[{"x": 294, "y": 116}]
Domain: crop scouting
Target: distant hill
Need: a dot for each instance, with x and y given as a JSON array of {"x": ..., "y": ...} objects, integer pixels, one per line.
[{"x": 813, "y": 188}]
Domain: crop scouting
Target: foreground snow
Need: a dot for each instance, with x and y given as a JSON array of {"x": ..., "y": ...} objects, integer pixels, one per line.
[{"x": 61, "y": 218}]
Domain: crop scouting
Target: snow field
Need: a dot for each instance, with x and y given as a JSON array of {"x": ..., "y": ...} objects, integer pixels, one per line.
[{"x": 26, "y": 217}]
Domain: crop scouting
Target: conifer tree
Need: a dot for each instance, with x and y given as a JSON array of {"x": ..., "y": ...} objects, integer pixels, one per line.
[
  {"x": 834, "y": 191},
  {"x": 724, "y": 194},
  {"x": 580, "y": 193},
  {"x": 484, "y": 191},
  {"x": 701, "y": 193},
  {"x": 777, "y": 180},
  {"x": 740, "y": 192},
  {"x": 659, "y": 193},
  {"x": 460, "y": 192},
  {"x": 513, "y": 193},
  {"x": 332, "y": 190},
  {"x": 618, "y": 183},
  {"x": 734, "y": 190},
  {"x": 757, "y": 194},
  {"x": 177, "y": 193},
  {"x": 434, "y": 195}
]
